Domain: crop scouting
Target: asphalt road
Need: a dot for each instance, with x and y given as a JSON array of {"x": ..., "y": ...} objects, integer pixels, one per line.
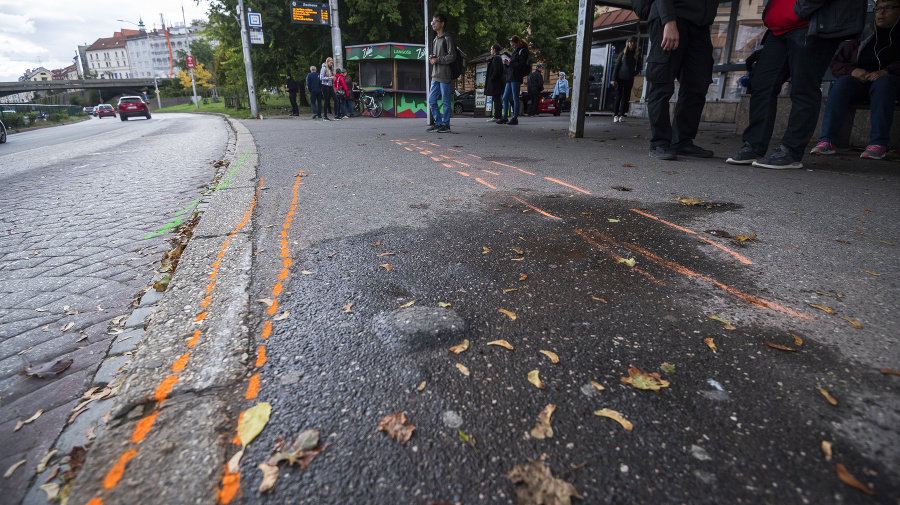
[{"x": 76, "y": 203}]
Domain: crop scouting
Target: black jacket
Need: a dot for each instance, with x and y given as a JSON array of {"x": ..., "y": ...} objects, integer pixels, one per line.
[
  {"x": 518, "y": 67},
  {"x": 494, "y": 79},
  {"x": 536, "y": 81},
  {"x": 624, "y": 67},
  {"x": 292, "y": 85},
  {"x": 830, "y": 19},
  {"x": 698, "y": 12}
]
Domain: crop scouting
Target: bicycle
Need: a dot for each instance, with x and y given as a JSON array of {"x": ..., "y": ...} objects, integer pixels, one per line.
[{"x": 372, "y": 103}]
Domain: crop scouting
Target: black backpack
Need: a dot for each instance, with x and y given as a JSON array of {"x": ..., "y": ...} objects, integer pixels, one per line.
[
  {"x": 642, "y": 8},
  {"x": 456, "y": 66}
]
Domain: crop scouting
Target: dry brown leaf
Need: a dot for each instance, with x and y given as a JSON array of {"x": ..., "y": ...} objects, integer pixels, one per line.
[
  {"x": 826, "y": 449},
  {"x": 512, "y": 315},
  {"x": 822, "y": 307},
  {"x": 68, "y": 326},
  {"x": 599, "y": 299},
  {"x": 598, "y": 386},
  {"x": 376, "y": 244},
  {"x": 12, "y": 468},
  {"x": 42, "y": 465},
  {"x": 49, "y": 369},
  {"x": 283, "y": 316},
  {"x": 851, "y": 481},
  {"x": 306, "y": 272},
  {"x": 349, "y": 307},
  {"x": 612, "y": 414},
  {"x": 889, "y": 371},
  {"x": 52, "y": 490},
  {"x": 89, "y": 434},
  {"x": 29, "y": 420},
  {"x": 519, "y": 251},
  {"x": 234, "y": 464},
  {"x": 711, "y": 343},
  {"x": 536, "y": 485},
  {"x": 501, "y": 343},
  {"x": 81, "y": 338},
  {"x": 517, "y": 259},
  {"x": 534, "y": 378},
  {"x": 397, "y": 426},
  {"x": 641, "y": 380},
  {"x": 522, "y": 276},
  {"x": 421, "y": 386},
  {"x": 552, "y": 355},
  {"x": 76, "y": 414},
  {"x": 270, "y": 476},
  {"x": 797, "y": 340},
  {"x": 543, "y": 429},
  {"x": 408, "y": 304},
  {"x": 386, "y": 266},
  {"x": 871, "y": 272},
  {"x": 382, "y": 255},
  {"x": 828, "y": 396},
  {"x": 728, "y": 326},
  {"x": 853, "y": 322},
  {"x": 781, "y": 347},
  {"x": 485, "y": 250},
  {"x": 267, "y": 301},
  {"x": 462, "y": 368},
  {"x": 456, "y": 349},
  {"x": 510, "y": 290}
]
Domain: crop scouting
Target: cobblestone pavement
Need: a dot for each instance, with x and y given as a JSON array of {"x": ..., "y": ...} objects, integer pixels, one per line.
[{"x": 73, "y": 257}]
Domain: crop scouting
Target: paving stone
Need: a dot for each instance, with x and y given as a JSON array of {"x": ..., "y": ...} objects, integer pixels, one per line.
[
  {"x": 139, "y": 317},
  {"x": 125, "y": 342},
  {"x": 109, "y": 369}
]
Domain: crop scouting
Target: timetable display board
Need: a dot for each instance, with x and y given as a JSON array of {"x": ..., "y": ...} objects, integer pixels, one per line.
[{"x": 309, "y": 13}]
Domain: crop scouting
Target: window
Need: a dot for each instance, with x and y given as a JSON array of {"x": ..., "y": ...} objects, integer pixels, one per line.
[
  {"x": 411, "y": 75},
  {"x": 376, "y": 73}
]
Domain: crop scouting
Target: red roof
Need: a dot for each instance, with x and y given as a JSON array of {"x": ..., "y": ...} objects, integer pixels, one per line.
[
  {"x": 115, "y": 42},
  {"x": 615, "y": 17}
]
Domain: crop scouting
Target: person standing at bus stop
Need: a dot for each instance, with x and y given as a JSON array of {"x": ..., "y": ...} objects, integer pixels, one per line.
[
  {"x": 623, "y": 71},
  {"x": 315, "y": 92},
  {"x": 442, "y": 54},
  {"x": 292, "y": 88},
  {"x": 326, "y": 79}
]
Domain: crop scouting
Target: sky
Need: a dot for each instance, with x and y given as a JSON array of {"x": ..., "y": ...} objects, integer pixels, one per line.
[{"x": 35, "y": 33}]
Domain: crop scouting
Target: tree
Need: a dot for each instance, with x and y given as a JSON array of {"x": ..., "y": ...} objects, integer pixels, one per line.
[
  {"x": 201, "y": 50},
  {"x": 201, "y": 77}
]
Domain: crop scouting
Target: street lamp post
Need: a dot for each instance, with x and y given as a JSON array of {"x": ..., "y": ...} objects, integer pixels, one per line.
[{"x": 155, "y": 84}]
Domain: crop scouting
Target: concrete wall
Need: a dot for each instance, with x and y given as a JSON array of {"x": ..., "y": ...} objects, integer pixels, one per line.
[{"x": 713, "y": 112}]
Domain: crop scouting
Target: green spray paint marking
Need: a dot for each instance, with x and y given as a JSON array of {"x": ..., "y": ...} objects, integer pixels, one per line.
[{"x": 196, "y": 202}]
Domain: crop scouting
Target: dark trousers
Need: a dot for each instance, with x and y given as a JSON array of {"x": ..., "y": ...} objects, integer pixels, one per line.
[
  {"x": 803, "y": 59},
  {"x": 846, "y": 91},
  {"x": 328, "y": 96},
  {"x": 294, "y": 109},
  {"x": 315, "y": 99},
  {"x": 692, "y": 65},
  {"x": 623, "y": 96},
  {"x": 534, "y": 97},
  {"x": 497, "y": 104}
]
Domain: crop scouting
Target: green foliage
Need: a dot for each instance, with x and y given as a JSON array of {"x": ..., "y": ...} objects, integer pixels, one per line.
[
  {"x": 202, "y": 51},
  {"x": 13, "y": 119},
  {"x": 32, "y": 116}
]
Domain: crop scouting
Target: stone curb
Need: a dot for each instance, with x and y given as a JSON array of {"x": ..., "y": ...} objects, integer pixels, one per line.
[{"x": 187, "y": 434}]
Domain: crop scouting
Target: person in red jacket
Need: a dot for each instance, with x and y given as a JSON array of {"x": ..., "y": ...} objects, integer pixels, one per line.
[
  {"x": 340, "y": 93},
  {"x": 867, "y": 69}
]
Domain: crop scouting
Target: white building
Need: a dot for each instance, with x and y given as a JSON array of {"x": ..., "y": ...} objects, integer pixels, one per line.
[
  {"x": 108, "y": 58},
  {"x": 152, "y": 54}
]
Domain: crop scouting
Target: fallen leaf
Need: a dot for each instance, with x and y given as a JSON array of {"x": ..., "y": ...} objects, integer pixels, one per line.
[
  {"x": 851, "y": 481},
  {"x": 382, "y": 255},
  {"x": 711, "y": 343},
  {"x": 542, "y": 429},
  {"x": 421, "y": 386},
  {"x": 781, "y": 347},
  {"x": 52, "y": 490},
  {"x": 12, "y": 468},
  {"x": 519, "y": 251},
  {"x": 612, "y": 414},
  {"x": 68, "y": 326},
  {"x": 889, "y": 371},
  {"x": 598, "y": 386},
  {"x": 40, "y": 310},
  {"x": 627, "y": 261},
  {"x": 522, "y": 276},
  {"x": 386, "y": 266},
  {"x": 45, "y": 329},
  {"x": 49, "y": 369},
  {"x": 797, "y": 340},
  {"x": 456, "y": 349},
  {"x": 644, "y": 381},
  {"x": 408, "y": 304},
  {"x": 501, "y": 343},
  {"x": 443, "y": 305},
  {"x": 234, "y": 464},
  {"x": 485, "y": 250},
  {"x": 398, "y": 427},
  {"x": 627, "y": 165},
  {"x": 689, "y": 201},
  {"x": 302, "y": 450},
  {"x": 252, "y": 422},
  {"x": 81, "y": 338},
  {"x": 283, "y": 316},
  {"x": 871, "y": 272},
  {"x": 30, "y": 419},
  {"x": 510, "y": 290},
  {"x": 822, "y": 307},
  {"x": 599, "y": 299},
  {"x": 552, "y": 355},
  {"x": 89, "y": 433},
  {"x": 719, "y": 233},
  {"x": 512, "y": 315},
  {"x": 728, "y": 326},
  {"x": 621, "y": 188},
  {"x": 517, "y": 259},
  {"x": 853, "y": 322},
  {"x": 306, "y": 272},
  {"x": 462, "y": 368},
  {"x": 76, "y": 414},
  {"x": 611, "y": 220},
  {"x": 120, "y": 320},
  {"x": 828, "y": 396},
  {"x": 270, "y": 476},
  {"x": 826, "y": 449},
  {"x": 665, "y": 367},
  {"x": 469, "y": 439},
  {"x": 267, "y": 301},
  {"x": 42, "y": 465},
  {"x": 348, "y": 308},
  {"x": 376, "y": 244},
  {"x": 744, "y": 238},
  {"x": 535, "y": 485},
  {"x": 533, "y": 377}
]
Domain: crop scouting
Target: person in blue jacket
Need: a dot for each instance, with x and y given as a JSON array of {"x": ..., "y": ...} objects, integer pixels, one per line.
[{"x": 562, "y": 86}]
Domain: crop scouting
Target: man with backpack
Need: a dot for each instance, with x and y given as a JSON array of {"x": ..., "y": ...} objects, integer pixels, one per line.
[{"x": 442, "y": 56}]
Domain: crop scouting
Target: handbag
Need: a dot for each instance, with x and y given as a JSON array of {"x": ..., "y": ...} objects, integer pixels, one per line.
[{"x": 341, "y": 93}]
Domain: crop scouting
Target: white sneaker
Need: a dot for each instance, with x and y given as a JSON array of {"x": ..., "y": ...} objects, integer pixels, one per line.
[
  {"x": 615, "y": 119},
  {"x": 621, "y": 119}
]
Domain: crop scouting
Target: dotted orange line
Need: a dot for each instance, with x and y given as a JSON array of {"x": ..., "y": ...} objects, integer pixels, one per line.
[
  {"x": 532, "y": 207},
  {"x": 615, "y": 256},
  {"x": 551, "y": 179},
  {"x": 486, "y": 184},
  {"x": 740, "y": 258}
]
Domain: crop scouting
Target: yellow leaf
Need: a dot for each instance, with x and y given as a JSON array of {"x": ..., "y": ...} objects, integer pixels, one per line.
[
  {"x": 443, "y": 304},
  {"x": 522, "y": 276},
  {"x": 871, "y": 272},
  {"x": 252, "y": 422},
  {"x": 386, "y": 266},
  {"x": 553, "y": 357},
  {"x": 421, "y": 386},
  {"x": 828, "y": 397},
  {"x": 501, "y": 343},
  {"x": 408, "y": 304},
  {"x": 270, "y": 475},
  {"x": 689, "y": 201},
  {"x": 543, "y": 429},
  {"x": 781, "y": 347},
  {"x": 12, "y": 468},
  {"x": 283, "y": 316},
  {"x": 510, "y": 290},
  {"x": 712, "y": 345},
  {"x": 534, "y": 379},
  {"x": 517, "y": 259},
  {"x": 612, "y": 414},
  {"x": 462, "y": 368},
  {"x": 822, "y": 307},
  {"x": 512, "y": 315},
  {"x": 485, "y": 250},
  {"x": 234, "y": 464},
  {"x": 728, "y": 325},
  {"x": 853, "y": 322},
  {"x": 826, "y": 449},
  {"x": 456, "y": 349},
  {"x": 797, "y": 340},
  {"x": 744, "y": 238},
  {"x": 628, "y": 261},
  {"x": 267, "y": 301},
  {"x": 597, "y": 385},
  {"x": 645, "y": 381}
]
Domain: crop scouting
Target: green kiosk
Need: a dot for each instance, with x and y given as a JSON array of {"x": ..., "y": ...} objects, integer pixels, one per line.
[{"x": 398, "y": 69}]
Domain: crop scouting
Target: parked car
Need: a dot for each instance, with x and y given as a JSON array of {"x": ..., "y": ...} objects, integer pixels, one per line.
[
  {"x": 105, "y": 110},
  {"x": 546, "y": 106},
  {"x": 2, "y": 133},
  {"x": 89, "y": 110},
  {"x": 130, "y": 106},
  {"x": 464, "y": 102}
]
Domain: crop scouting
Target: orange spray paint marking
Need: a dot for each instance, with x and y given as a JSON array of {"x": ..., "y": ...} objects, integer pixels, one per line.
[
  {"x": 273, "y": 308},
  {"x": 230, "y": 485},
  {"x": 181, "y": 362},
  {"x": 566, "y": 185},
  {"x": 253, "y": 387},
  {"x": 205, "y": 302},
  {"x": 488, "y": 171},
  {"x": 209, "y": 287},
  {"x": 267, "y": 329},
  {"x": 504, "y": 165},
  {"x": 286, "y": 226},
  {"x": 532, "y": 207},
  {"x": 162, "y": 392},
  {"x": 115, "y": 473},
  {"x": 288, "y": 219},
  {"x": 294, "y": 206},
  {"x": 143, "y": 427},
  {"x": 461, "y": 163},
  {"x": 486, "y": 184},
  {"x": 284, "y": 274},
  {"x": 462, "y": 173},
  {"x": 472, "y": 155},
  {"x": 287, "y": 263},
  {"x": 193, "y": 341},
  {"x": 284, "y": 243},
  {"x": 447, "y": 165},
  {"x": 284, "y": 252},
  {"x": 221, "y": 254},
  {"x": 277, "y": 289},
  {"x": 290, "y": 213},
  {"x": 740, "y": 257},
  {"x": 95, "y": 501},
  {"x": 435, "y": 158},
  {"x": 261, "y": 356},
  {"x": 225, "y": 244},
  {"x": 215, "y": 266},
  {"x": 213, "y": 274},
  {"x": 283, "y": 234},
  {"x": 617, "y": 257},
  {"x": 200, "y": 318}
]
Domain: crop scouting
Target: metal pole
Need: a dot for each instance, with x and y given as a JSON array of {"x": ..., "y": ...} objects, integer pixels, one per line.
[
  {"x": 336, "y": 47},
  {"x": 188, "y": 33},
  {"x": 428, "y": 117},
  {"x": 248, "y": 65},
  {"x": 156, "y": 87},
  {"x": 582, "y": 67}
]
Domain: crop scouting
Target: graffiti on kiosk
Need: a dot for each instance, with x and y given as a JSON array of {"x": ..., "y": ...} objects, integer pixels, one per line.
[
  {"x": 367, "y": 51},
  {"x": 420, "y": 53}
]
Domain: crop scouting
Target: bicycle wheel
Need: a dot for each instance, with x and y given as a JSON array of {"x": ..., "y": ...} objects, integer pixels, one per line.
[
  {"x": 378, "y": 109},
  {"x": 357, "y": 107}
]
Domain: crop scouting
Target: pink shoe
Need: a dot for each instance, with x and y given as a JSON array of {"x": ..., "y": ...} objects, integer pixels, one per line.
[
  {"x": 823, "y": 148},
  {"x": 874, "y": 152}
]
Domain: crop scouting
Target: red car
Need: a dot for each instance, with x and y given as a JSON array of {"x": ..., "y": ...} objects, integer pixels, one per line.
[
  {"x": 132, "y": 106},
  {"x": 104, "y": 110}
]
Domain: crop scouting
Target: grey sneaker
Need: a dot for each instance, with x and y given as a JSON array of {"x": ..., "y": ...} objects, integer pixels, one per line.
[
  {"x": 663, "y": 153},
  {"x": 433, "y": 128},
  {"x": 444, "y": 129},
  {"x": 780, "y": 159},
  {"x": 690, "y": 149},
  {"x": 745, "y": 156}
]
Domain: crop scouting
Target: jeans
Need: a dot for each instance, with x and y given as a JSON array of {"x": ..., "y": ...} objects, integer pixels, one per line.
[
  {"x": 315, "y": 102},
  {"x": 803, "y": 59},
  {"x": 511, "y": 99},
  {"x": 442, "y": 89},
  {"x": 691, "y": 63},
  {"x": 623, "y": 96},
  {"x": 339, "y": 107},
  {"x": 846, "y": 91}
]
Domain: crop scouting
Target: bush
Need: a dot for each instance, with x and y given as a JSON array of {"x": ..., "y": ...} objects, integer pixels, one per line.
[
  {"x": 14, "y": 120},
  {"x": 57, "y": 117},
  {"x": 32, "y": 116}
]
